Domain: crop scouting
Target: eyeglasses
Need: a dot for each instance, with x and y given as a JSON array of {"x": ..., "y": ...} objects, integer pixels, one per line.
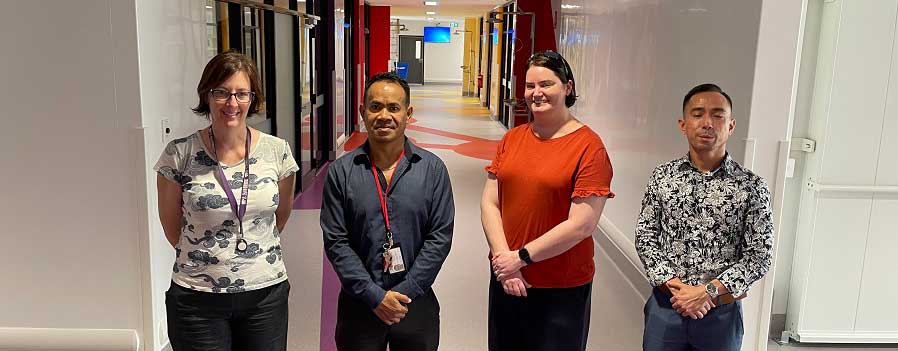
[{"x": 221, "y": 95}]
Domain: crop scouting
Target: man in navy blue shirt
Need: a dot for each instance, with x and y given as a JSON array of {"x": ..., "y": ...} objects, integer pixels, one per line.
[{"x": 387, "y": 216}]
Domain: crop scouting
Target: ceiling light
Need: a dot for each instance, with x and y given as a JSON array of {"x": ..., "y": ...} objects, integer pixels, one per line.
[
  {"x": 430, "y": 12},
  {"x": 431, "y": 3},
  {"x": 430, "y": 18},
  {"x": 570, "y": 7},
  {"x": 208, "y": 7}
]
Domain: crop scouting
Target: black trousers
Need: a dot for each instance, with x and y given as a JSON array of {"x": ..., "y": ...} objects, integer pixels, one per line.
[
  {"x": 250, "y": 320},
  {"x": 359, "y": 329},
  {"x": 548, "y": 319}
]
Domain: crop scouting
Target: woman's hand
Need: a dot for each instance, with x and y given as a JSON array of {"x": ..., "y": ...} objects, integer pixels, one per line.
[
  {"x": 515, "y": 285},
  {"x": 505, "y": 263}
]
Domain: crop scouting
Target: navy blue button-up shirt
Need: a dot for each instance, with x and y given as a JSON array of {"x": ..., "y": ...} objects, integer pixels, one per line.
[{"x": 422, "y": 216}]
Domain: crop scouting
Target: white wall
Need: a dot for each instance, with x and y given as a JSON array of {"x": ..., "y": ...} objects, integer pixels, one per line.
[
  {"x": 442, "y": 61},
  {"x": 794, "y": 186},
  {"x": 287, "y": 112},
  {"x": 70, "y": 211},
  {"x": 773, "y": 102},
  {"x": 172, "y": 47}
]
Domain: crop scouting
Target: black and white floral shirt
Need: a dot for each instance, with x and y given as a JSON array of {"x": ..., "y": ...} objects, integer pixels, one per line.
[{"x": 697, "y": 226}]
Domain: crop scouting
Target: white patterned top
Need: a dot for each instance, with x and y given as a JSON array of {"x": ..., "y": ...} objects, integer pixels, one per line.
[{"x": 206, "y": 256}]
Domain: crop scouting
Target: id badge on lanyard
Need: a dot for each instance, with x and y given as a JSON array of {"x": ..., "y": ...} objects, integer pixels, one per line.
[
  {"x": 238, "y": 210},
  {"x": 393, "y": 262}
]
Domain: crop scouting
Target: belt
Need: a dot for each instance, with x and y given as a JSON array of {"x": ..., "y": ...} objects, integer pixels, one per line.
[{"x": 723, "y": 299}]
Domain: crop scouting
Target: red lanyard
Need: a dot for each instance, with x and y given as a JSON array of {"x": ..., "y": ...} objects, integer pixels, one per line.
[{"x": 382, "y": 194}]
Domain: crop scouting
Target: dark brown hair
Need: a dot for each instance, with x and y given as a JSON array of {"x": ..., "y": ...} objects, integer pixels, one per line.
[
  {"x": 220, "y": 69},
  {"x": 555, "y": 62}
]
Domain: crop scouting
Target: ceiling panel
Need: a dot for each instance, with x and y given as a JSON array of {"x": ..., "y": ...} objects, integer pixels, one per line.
[{"x": 446, "y": 9}]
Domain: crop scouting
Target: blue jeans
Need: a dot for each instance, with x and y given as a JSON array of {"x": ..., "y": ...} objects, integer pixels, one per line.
[{"x": 667, "y": 330}]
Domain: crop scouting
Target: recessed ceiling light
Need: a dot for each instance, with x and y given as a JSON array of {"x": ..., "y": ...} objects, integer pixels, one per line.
[
  {"x": 570, "y": 7},
  {"x": 208, "y": 7},
  {"x": 431, "y": 3},
  {"x": 431, "y": 12},
  {"x": 430, "y": 18}
]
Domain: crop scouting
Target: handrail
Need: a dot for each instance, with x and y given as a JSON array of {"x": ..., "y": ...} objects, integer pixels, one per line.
[
  {"x": 831, "y": 188},
  {"x": 282, "y": 10}
]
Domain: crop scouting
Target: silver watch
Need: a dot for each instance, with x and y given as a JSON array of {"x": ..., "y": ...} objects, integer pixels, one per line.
[{"x": 711, "y": 289}]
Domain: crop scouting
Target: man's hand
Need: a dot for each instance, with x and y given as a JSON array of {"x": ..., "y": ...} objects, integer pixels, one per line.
[
  {"x": 505, "y": 263},
  {"x": 689, "y": 301},
  {"x": 391, "y": 309},
  {"x": 515, "y": 285}
]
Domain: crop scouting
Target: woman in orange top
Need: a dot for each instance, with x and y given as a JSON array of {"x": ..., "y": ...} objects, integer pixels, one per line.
[{"x": 543, "y": 197}]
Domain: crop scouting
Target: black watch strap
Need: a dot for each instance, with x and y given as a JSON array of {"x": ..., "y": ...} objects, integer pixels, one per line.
[{"x": 525, "y": 256}]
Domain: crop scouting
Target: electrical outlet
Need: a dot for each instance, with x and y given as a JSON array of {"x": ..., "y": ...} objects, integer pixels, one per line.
[
  {"x": 790, "y": 168},
  {"x": 166, "y": 131}
]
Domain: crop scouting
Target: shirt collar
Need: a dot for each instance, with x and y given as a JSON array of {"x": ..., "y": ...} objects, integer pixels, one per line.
[
  {"x": 728, "y": 166},
  {"x": 411, "y": 150}
]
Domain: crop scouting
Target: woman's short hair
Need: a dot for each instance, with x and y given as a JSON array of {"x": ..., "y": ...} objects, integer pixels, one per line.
[
  {"x": 220, "y": 69},
  {"x": 555, "y": 62}
]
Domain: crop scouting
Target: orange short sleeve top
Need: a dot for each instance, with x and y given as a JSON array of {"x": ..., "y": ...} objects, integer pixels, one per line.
[{"x": 538, "y": 178}]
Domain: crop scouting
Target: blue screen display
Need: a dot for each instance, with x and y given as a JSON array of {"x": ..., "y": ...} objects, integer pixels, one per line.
[{"x": 437, "y": 35}]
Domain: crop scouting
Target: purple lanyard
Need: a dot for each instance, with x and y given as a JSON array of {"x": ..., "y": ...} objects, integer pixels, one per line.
[{"x": 238, "y": 211}]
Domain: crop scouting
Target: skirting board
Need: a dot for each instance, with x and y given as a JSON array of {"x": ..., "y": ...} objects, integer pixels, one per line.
[
  {"x": 21, "y": 339},
  {"x": 846, "y": 337}
]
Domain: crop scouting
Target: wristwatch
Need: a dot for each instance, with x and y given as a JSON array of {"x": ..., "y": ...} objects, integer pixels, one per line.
[
  {"x": 525, "y": 256},
  {"x": 711, "y": 289}
]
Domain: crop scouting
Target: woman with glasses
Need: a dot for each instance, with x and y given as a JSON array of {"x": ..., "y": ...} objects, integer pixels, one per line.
[
  {"x": 225, "y": 194},
  {"x": 544, "y": 194}
]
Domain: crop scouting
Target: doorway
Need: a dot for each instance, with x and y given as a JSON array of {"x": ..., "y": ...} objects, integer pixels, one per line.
[{"x": 411, "y": 51}]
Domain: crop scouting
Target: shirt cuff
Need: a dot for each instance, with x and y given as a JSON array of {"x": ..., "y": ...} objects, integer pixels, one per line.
[
  {"x": 660, "y": 275},
  {"x": 734, "y": 283},
  {"x": 408, "y": 288},
  {"x": 373, "y": 295}
]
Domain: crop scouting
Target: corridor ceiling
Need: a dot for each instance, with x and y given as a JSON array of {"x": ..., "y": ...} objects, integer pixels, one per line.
[{"x": 446, "y": 8}]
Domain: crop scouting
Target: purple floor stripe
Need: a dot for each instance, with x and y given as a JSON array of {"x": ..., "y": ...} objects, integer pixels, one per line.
[
  {"x": 330, "y": 283},
  {"x": 311, "y": 198},
  {"x": 330, "y": 290}
]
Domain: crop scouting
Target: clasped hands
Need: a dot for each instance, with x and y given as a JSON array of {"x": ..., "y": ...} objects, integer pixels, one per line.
[
  {"x": 507, "y": 267},
  {"x": 392, "y": 308},
  {"x": 688, "y": 300}
]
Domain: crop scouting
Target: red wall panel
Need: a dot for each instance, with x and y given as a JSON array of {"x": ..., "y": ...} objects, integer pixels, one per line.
[
  {"x": 544, "y": 38},
  {"x": 379, "y": 45}
]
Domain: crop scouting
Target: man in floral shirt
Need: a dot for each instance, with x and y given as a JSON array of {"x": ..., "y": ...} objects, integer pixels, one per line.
[{"x": 705, "y": 234}]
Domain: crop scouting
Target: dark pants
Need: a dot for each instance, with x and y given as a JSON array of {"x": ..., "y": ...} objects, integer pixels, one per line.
[
  {"x": 548, "y": 319},
  {"x": 250, "y": 320},
  {"x": 359, "y": 329},
  {"x": 667, "y": 330}
]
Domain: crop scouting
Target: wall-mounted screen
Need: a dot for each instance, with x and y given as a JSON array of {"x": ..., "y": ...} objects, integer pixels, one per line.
[{"x": 437, "y": 35}]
